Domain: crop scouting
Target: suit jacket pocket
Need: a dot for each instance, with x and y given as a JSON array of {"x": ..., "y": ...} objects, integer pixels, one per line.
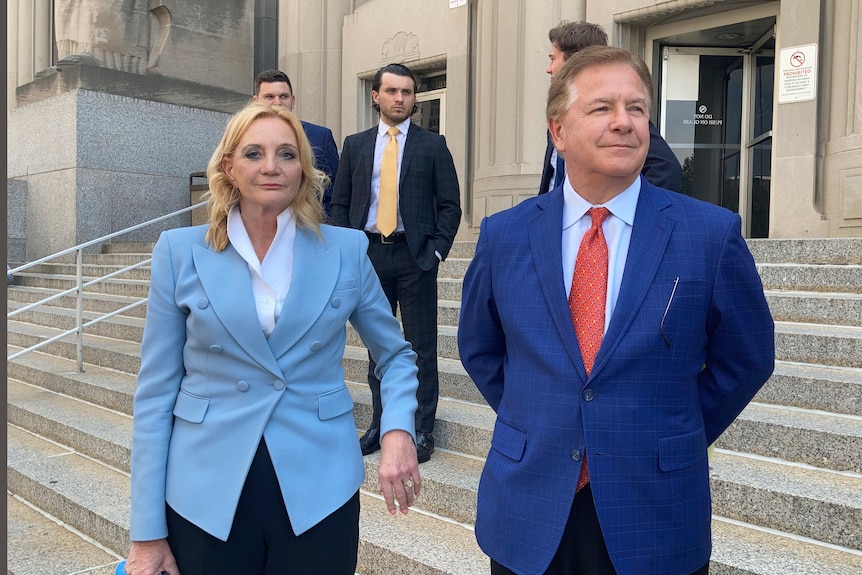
[
  {"x": 346, "y": 284},
  {"x": 334, "y": 403},
  {"x": 508, "y": 440},
  {"x": 190, "y": 407},
  {"x": 681, "y": 451}
]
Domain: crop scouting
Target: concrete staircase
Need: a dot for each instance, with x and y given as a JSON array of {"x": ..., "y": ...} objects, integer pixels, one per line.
[{"x": 786, "y": 478}]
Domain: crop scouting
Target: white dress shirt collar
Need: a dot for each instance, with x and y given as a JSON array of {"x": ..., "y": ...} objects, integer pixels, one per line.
[{"x": 270, "y": 278}]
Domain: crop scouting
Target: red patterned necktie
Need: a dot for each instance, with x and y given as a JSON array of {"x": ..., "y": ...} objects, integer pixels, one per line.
[{"x": 587, "y": 299}]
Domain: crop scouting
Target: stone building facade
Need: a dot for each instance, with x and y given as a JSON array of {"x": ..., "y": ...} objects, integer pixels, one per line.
[{"x": 759, "y": 99}]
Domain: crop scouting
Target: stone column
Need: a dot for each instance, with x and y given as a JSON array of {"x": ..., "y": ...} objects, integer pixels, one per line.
[
  {"x": 510, "y": 98},
  {"x": 792, "y": 209},
  {"x": 28, "y": 43},
  {"x": 841, "y": 104},
  {"x": 309, "y": 48}
]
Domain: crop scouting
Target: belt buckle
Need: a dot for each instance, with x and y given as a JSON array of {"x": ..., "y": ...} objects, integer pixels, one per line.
[{"x": 383, "y": 239}]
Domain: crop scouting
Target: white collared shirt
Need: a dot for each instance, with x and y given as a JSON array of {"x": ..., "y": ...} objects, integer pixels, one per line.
[
  {"x": 618, "y": 233},
  {"x": 379, "y": 145},
  {"x": 270, "y": 278}
]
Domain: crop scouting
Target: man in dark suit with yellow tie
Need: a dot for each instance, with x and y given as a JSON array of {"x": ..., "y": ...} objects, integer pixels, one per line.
[{"x": 397, "y": 181}]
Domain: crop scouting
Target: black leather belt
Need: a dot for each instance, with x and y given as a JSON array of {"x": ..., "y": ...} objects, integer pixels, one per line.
[{"x": 393, "y": 238}]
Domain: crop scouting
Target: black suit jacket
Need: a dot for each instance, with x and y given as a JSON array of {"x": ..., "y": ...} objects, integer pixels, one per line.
[
  {"x": 661, "y": 167},
  {"x": 429, "y": 197},
  {"x": 325, "y": 156}
]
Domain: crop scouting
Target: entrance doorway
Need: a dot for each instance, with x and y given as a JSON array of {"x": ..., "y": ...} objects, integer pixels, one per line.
[{"x": 716, "y": 115}]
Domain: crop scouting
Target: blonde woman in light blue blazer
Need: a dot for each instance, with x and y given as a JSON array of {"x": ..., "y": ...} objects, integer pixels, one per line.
[{"x": 245, "y": 456}]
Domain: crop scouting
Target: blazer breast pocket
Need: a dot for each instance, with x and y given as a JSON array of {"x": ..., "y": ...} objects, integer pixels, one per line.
[{"x": 190, "y": 407}]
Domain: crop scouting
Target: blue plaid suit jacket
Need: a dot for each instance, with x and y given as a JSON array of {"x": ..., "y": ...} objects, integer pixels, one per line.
[{"x": 653, "y": 406}]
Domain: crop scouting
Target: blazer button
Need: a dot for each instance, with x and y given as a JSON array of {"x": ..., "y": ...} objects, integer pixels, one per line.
[
  {"x": 203, "y": 303},
  {"x": 216, "y": 348},
  {"x": 336, "y": 302},
  {"x": 242, "y": 385},
  {"x": 576, "y": 455},
  {"x": 316, "y": 346},
  {"x": 587, "y": 395},
  {"x": 278, "y": 385}
]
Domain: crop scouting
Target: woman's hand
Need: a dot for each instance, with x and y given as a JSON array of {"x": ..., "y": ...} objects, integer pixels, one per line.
[
  {"x": 399, "y": 470},
  {"x": 151, "y": 558}
]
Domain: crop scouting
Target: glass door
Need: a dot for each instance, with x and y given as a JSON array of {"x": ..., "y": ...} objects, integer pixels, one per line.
[{"x": 716, "y": 115}]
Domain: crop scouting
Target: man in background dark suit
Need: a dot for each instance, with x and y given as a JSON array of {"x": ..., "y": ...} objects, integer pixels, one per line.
[
  {"x": 661, "y": 167},
  {"x": 273, "y": 87},
  {"x": 406, "y": 259}
]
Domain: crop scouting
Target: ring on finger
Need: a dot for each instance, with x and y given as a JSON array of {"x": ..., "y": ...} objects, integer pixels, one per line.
[{"x": 409, "y": 483}]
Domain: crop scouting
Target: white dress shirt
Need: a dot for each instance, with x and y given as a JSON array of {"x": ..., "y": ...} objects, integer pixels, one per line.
[
  {"x": 270, "y": 278},
  {"x": 379, "y": 145},
  {"x": 617, "y": 228}
]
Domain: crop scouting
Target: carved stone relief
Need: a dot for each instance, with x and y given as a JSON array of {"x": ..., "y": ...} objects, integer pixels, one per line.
[
  {"x": 114, "y": 32},
  {"x": 402, "y": 47}
]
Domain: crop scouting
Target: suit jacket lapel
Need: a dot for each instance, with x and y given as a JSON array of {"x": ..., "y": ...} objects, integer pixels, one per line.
[
  {"x": 315, "y": 271},
  {"x": 650, "y": 234},
  {"x": 547, "y": 254},
  {"x": 411, "y": 143},
  {"x": 226, "y": 281}
]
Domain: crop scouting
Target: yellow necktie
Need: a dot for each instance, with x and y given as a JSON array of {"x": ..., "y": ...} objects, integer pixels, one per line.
[{"x": 387, "y": 203}]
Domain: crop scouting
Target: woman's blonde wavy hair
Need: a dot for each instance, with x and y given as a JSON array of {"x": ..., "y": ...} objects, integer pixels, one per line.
[{"x": 307, "y": 207}]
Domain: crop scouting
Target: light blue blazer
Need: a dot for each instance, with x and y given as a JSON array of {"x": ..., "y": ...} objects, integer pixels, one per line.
[{"x": 211, "y": 385}]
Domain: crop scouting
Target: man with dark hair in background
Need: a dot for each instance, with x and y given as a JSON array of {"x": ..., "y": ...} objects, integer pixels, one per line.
[
  {"x": 661, "y": 167},
  {"x": 273, "y": 87},
  {"x": 397, "y": 181}
]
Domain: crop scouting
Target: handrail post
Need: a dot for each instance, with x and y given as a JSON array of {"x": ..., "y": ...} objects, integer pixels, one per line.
[{"x": 79, "y": 265}]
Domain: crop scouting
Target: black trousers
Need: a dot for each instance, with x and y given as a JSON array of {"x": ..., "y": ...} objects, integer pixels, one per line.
[
  {"x": 414, "y": 290},
  {"x": 261, "y": 540},
  {"x": 582, "y": 549}
]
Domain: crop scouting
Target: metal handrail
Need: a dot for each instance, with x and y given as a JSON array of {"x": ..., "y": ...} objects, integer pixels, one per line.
[{"x": 80, "y": 285}]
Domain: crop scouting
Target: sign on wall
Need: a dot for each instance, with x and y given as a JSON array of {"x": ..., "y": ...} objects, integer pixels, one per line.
[{"x": 797, "y": 74}]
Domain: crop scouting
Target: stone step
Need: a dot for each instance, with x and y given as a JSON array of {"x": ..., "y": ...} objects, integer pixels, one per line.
[
  {"x": 89, "y": 271},
  {"x": 805, "y": 251},
  {"x": 810, "y": 502},
  {"x": 106, "y": 388},
  {"x": 128, "y": 248},
  {"x": 815, "y": 438},
  {"x": 811, "y": 277},
  {"x": 94, "y": 431},
  {"x": 100, "y": 303},
  {"x": 816, "y": 307},
  {"x": 740, "y": 548},
  {"x": 118, "y": 327},
  {"x": 37, "y": 544},
  {"x": 453, "y": 379},
  {"x": 460, "y": 427},
  {"x": 808, "y": 251},
  {"x": 832, "y": 389},
  {"x": 818, "y": 344},
  {"x": 123, "y": 287},
  {"x": 88, "y": 495},
  {"x": 124, "y": 356}
]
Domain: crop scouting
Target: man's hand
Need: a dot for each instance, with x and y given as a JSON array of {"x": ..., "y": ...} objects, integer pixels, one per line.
[{"x": 399, "y": 470}]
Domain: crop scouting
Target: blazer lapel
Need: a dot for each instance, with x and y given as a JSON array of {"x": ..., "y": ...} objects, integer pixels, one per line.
[
  {"x": 411, "y": 143},
  {"x": 316, "y": 265},
  {"x": 650, "y": 234},
  {"x": 226, "y": 281},
  {"x": 546, "y": 249}
]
